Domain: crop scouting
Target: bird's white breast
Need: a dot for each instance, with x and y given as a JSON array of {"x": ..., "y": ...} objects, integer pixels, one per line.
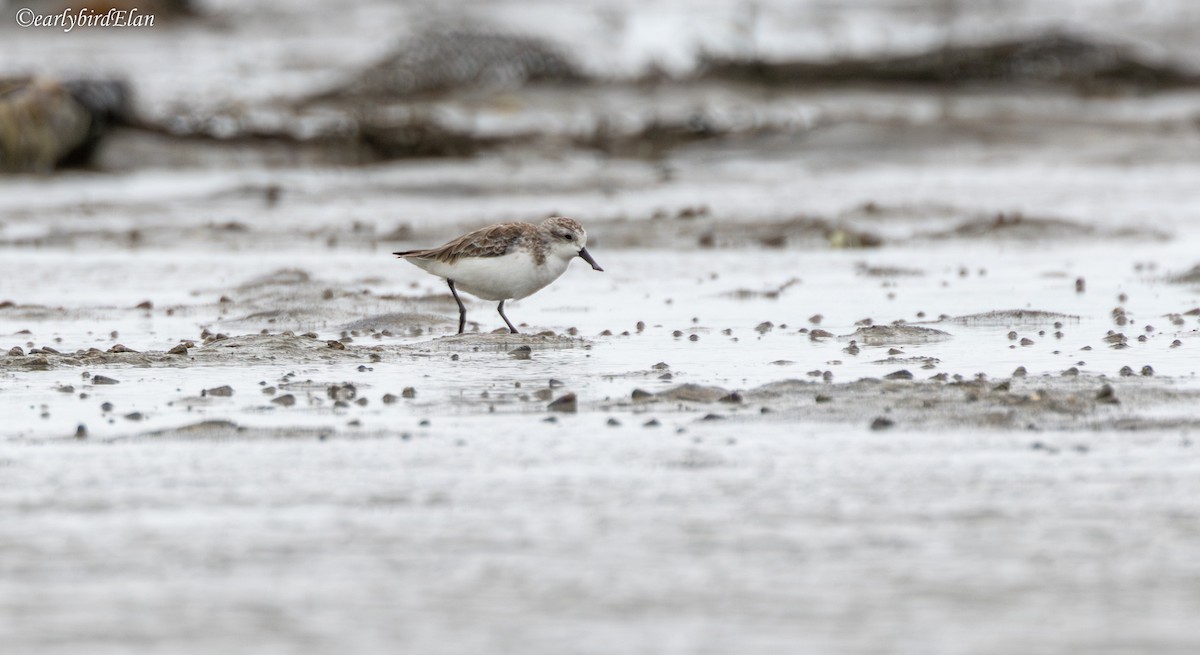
[{"x": 512, "y": 276}]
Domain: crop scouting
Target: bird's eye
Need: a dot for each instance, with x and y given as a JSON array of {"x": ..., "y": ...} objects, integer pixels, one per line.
[{"x": 568, "y": 236}]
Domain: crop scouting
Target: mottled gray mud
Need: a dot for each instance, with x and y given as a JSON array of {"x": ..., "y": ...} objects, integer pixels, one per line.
[{"x": 897, "y": 347}]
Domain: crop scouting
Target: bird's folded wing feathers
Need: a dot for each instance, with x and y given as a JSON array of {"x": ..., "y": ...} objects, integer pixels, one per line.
[{"x": 492, "y": 241}]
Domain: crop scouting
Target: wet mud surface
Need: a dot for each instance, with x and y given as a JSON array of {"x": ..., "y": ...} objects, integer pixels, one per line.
[{"x": 896, "y": 347}]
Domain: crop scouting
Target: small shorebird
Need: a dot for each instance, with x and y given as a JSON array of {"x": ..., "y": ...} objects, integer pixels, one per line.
[{"x": 503, "y": 262}]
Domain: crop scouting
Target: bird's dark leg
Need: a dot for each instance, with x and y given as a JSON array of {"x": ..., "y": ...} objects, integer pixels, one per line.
[
  {"x": 510, "y": 325},
  {"x": 462, "y": 310}
]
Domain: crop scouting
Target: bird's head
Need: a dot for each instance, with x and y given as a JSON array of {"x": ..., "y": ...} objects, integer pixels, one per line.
[{"x": 568, "y": 239}]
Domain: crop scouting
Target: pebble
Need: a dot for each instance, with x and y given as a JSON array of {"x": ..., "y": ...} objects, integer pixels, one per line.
[
  {"x": 1106, "y": 395},
  {"x": 613, "y": 423},
  {"x": 902, "y": 374},
  {"x": 521, "y": 352},
  {"x": 882, "y": 423},
  {"x": 564, "y": 403},
  {"x": 81, "y": 431},
  {"x": 223, "y": 391},
  {"x": 102, "y": 379},
  {"x": 341, "y": 392},
  {"x": 286, "y": 400},
  {"x": 389, "y": 399},
  {"x": 408, "y": 392}
]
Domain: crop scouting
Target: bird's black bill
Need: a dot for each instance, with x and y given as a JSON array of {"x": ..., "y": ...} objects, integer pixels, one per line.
[{"x": 587, "y": 257}]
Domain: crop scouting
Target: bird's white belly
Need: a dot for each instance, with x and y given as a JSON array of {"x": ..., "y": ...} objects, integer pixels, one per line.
[{"x": 512, "y": 276}]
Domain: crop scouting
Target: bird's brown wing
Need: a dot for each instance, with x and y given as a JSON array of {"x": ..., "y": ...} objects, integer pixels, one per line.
[{"x": 491, "y": 241}]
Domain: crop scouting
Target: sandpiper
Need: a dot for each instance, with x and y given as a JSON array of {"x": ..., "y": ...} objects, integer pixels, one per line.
[{"x": 508, "y": 261}]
